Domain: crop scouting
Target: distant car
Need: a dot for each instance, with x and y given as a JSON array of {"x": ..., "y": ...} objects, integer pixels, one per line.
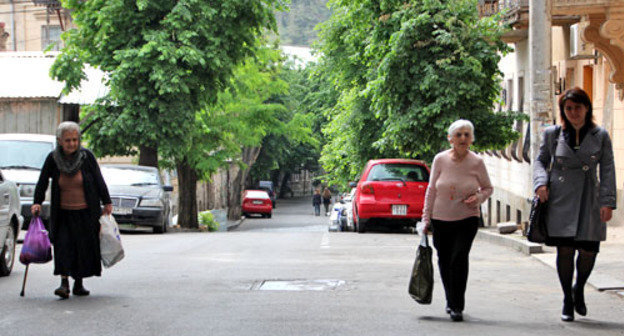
[
  {"x": 270, "y": 189},
  {"x": 390, "y": 191},
  {"x": 10, "y": 222},
  {"x": 257, "y": 202},
  {"x": 347, "y": 210},
  {"x": 24, "y": 169},
  {"x": 139, "y": 196}
]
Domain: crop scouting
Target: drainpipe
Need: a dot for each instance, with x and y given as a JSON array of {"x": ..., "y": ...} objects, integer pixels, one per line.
[
  {"x": 14, "y": 38},
  {"x": 540, "y": 71}
]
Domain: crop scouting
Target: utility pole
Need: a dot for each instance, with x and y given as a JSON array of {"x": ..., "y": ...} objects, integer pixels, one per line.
[{"x": 541, "y": 90}]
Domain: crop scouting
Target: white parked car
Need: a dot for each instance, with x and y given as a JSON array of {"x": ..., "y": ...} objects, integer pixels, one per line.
[
  {"x": 10, "y": 221},
  {"x": 21, "y": 159}
]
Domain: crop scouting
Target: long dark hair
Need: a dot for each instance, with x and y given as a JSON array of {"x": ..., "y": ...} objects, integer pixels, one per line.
[{"x": 579, "y": 96}]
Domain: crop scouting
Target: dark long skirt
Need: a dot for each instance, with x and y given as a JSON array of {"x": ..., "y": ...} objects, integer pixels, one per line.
[{"x": 77, "y": 245}]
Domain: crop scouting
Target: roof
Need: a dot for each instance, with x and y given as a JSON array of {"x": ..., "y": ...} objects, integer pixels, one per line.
[
  {"x": 28, "y": 137},
  {"x": 386, "y": 161},
  {"x": 27, "y": 75}
]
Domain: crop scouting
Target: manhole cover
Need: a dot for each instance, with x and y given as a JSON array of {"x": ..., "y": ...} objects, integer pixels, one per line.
[{"x": 298, "y": 285}]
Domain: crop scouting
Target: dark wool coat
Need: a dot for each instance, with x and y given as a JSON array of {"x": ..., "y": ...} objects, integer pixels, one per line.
[
  {"x": 580, "y": 182},
  {"x": 95, "y": 190}
]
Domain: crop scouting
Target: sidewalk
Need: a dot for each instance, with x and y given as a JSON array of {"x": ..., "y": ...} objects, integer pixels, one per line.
[{"x": 608, "y": 274}]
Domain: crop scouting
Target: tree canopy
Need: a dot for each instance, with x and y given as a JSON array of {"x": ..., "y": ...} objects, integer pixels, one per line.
[{"x": 405, "y": 70}]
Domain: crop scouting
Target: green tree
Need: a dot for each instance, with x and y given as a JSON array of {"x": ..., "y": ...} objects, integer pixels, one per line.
[
  {"x": 166, "y": 61},
  {"x": 406, "y": 70}
]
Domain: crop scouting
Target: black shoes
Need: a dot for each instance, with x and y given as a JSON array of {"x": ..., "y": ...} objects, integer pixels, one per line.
[
  {"x": 456, "y": 315},
  {"x": 62, "y": 291},
  {"x": 79, "y": 289},
  {"x": 579, "y": 301},
  {"x": 567, "y": 314}
]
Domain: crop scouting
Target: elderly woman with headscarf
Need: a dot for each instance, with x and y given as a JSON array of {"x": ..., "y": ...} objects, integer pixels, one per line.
[
  {"x": 458, "y": 184},
  {"x": 78, "y": 193}
]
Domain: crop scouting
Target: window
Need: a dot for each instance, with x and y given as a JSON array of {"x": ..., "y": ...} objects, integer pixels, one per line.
[
  {"x": 398, "y": 172},
  {"x": 51, "y": 35}
]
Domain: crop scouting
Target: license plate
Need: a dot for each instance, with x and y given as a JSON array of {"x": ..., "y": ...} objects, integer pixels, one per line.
[
  {"x": 122, "y": 211},
  {"x": 257, "y": 202},
  {"x": 399, "y": 209}
]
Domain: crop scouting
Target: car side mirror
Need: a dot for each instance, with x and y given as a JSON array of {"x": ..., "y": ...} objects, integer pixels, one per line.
[
  {"x": 167, "y": 188},
  {"x": 352, "y": 184}
]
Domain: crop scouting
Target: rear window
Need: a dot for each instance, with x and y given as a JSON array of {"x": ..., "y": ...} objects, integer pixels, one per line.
[
  {"x": 257, "y": 194},
  {"x": 398, "y": 172}
]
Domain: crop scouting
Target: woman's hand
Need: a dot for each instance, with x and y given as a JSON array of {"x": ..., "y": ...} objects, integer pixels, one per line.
[
  {"x": 35, "y": 209},
  {"x": 472, "y": 201},
  {"x": 108, "y": 209},
  {"x": 605, "y": 214},
  {"x": 542, "y": 193}
]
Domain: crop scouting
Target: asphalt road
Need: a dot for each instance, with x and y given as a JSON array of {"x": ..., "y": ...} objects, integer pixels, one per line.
[{"x": 288, "y": 276}]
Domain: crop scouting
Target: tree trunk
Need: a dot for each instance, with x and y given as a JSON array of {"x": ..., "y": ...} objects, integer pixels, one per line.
[
  {"x": 148, "y": 156},
  {"x": 238, "y": 176},
  {"x": 284, "y": 186},
  {"x": 187, "y": 181}
]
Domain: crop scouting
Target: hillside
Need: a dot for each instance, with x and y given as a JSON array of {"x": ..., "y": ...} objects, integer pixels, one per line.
[{"x": 296, "y": 27}]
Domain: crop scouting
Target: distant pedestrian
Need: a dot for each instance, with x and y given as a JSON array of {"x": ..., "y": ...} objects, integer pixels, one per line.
[
  {"x": 458, "y": 184},
  {"x": 78, "y": 193},
  {"x": 579, "y": 204},
  {"x": 316, "y": 202},
  {"x": 327, "y": 195}
]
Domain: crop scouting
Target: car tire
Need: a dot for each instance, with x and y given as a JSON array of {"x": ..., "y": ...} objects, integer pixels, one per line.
[
  {"x": 361, "y": 227},
  {"x": 162, "y": 228},
  {"x": 269, "y": 215},
  {"x": 7, "y": 258}
]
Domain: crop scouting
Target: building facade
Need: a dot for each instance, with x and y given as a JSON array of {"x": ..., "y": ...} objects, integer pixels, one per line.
[{"x": 586, "y": 50}]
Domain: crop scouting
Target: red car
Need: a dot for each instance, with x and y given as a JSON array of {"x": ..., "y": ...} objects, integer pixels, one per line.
[
  {"x": 390, "y": 191},
  {"x": 257, "y": 202}
]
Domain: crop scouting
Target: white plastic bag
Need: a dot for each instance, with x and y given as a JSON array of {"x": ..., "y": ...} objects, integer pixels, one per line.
[{"x": 110, "y": 241}]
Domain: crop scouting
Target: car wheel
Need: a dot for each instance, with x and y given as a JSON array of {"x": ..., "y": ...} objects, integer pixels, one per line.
[
  {"x": 162, "y": 228},
  {"x": 269, "y": 215},
  {"x": 361, "y": 227},
  {"x": 7, "y": 258}
]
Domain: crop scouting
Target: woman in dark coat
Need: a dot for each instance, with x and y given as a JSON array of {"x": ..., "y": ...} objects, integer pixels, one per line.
[
  {"x": 78, "y": 192},
  {"x": 579, "y": 203},
  {"x": 316, "y": 202}
]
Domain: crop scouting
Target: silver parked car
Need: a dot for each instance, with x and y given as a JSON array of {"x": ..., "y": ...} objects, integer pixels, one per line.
[
  {"x": 21, "y": 159},
  {"x": 10, "y": 221},
  {"x": 140, "y": 198}
]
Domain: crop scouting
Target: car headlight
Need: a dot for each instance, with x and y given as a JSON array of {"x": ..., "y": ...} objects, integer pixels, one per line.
[
  {"x": 151, "y": 202},
  {"x": 27, "y": 190}
]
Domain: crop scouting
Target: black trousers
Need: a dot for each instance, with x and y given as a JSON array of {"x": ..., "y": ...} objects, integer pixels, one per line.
[{"x": 453, "y": 241}]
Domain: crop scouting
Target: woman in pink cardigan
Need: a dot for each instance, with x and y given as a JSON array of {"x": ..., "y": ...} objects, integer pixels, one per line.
[{"x": 458, "y": 184}]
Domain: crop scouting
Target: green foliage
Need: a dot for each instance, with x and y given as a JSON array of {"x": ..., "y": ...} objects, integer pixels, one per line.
[
  {"x": 296, "y": 25},
  {"x": 166, "y": 60},
  {"x": 298, "y": 147},
  {"x": 406, "y": 70},
  {"x": 207, "y": 219}
]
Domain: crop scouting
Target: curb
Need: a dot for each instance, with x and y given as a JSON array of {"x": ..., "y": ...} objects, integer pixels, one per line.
[
  {"x": 600, "y": 281},
  {"x": 514, "y": 241}
]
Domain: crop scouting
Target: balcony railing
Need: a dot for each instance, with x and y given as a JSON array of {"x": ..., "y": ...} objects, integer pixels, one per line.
[{"x": 491, "y": 7}]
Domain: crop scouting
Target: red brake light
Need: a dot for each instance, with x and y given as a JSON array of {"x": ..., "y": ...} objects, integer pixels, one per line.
[{"x": 367, "y": 189}]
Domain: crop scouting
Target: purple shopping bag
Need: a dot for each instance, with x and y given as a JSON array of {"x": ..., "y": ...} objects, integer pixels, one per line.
[{"x": 36, "y": 247}]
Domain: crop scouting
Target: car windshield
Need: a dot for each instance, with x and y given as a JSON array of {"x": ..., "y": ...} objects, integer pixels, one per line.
[
  {"x": 23, "y": 154},
  {"x": 398, "y": 172},
  {"x": 129, "y": 177}
]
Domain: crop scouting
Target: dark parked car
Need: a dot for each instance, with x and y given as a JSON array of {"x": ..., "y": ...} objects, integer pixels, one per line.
[
  {"x": 139, "y": 196},
  {"x": 270, "y": 189},
  {"x": 390, "y": 191},
  {"x": 10, "y": 221}
]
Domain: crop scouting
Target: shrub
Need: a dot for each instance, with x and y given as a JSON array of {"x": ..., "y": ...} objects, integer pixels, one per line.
[{"x": 206, "y": 219}]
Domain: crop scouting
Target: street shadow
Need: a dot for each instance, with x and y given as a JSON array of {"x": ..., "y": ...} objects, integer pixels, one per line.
[
  {"x": 592, "y": 324},
  {"x": 384, "y": 228}
]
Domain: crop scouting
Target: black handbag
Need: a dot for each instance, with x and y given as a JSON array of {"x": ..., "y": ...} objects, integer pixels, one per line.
[
  {"x": 538, "y": 231},
  {"x": 421, "y": 282}
]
